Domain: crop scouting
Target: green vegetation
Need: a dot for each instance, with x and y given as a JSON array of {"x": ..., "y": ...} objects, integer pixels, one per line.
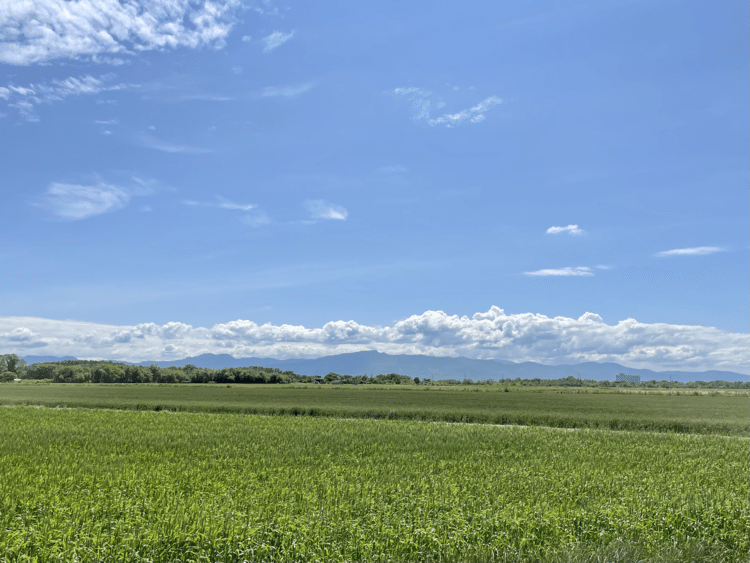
[
  {"x": 95, "y": 485},
  {"x": 91, "y": 371},
  {"x": 700, "y": 412},
  {"x": 11, "y": 367},
  {"x": 207, "y": 479}
]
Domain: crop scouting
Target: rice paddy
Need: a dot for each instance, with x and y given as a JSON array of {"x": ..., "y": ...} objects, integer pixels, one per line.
[{"x": 153, "y": 485}]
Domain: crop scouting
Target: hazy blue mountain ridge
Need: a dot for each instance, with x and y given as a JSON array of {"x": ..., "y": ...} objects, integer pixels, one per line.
[{"x": 373, "y": 363}]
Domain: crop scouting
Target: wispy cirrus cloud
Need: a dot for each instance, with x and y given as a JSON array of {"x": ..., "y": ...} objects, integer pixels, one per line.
[
  {"x": 222, "y": 203},
  {"x": 205, "y": 98},
  {"x": 286, "y": 91},
  {"x": 24, "y": 99},
  {"x": 474, "y": 114},
  {"x": 423, "y": 104},
  {"x": 45, "y": 30},
  {"x": 257, "y": 219},
  {"x": 250, "y": 217},
  {"x": 493, "y": 334},
  {"x": 695, "y": 251},
  {"x": 319, "y": 209},
  {"x": 73, "y": 202},
  {"x": 567, "y": 271},
  {"x": 276, "y": 39},
  {"x": 421, "y": 101},
  {"x": 570, "y": 229},
  {"x": 151, "y": 142}
]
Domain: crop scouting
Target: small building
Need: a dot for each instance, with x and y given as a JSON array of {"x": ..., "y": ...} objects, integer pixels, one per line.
[{"x": 17, "y": 380}]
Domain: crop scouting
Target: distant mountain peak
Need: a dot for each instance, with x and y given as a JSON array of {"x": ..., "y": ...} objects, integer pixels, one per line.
[{"x": 367, "y": 362}]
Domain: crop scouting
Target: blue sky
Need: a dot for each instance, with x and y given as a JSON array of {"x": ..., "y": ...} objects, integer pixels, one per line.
[{"x": 338, "y": 164}]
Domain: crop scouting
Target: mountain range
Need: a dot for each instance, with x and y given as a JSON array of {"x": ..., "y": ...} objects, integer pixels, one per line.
[{"x": 432, "y": 367}]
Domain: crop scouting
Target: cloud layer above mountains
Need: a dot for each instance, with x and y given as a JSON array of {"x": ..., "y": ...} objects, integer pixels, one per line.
[{"x": 494, "y": 334}]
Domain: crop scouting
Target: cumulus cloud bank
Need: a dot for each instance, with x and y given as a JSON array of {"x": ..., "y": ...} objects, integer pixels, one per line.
[
  {"x": 493, "y": 334},
  {"x": 45, "y": 30}
]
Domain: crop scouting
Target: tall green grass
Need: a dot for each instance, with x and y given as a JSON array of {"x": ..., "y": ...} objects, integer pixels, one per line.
[
  {"x": 719, "y": 413},
  {"x": 94, "y": 485}
]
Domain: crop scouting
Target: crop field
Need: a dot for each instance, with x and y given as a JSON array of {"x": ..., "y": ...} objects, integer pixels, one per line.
[
  {"x": 109, "y": 485},
  {"x": 698, "y": 412}
]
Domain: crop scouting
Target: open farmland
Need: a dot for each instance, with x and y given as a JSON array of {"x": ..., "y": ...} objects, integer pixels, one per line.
[
  {"x": 686, "y": 411},
  {"x": 107, "y": 485}
]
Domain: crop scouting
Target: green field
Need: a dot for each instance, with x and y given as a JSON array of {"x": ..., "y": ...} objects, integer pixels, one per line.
[
  {"x": 182, "y": 473},
  {"x": 699, "y": 412},
  {"x": 105, "y": 485}
]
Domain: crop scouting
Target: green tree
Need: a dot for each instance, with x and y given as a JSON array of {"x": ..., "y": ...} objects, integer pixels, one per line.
[
  {"x": 41, "y": 371},
  {"x": 13, "y": 364}
]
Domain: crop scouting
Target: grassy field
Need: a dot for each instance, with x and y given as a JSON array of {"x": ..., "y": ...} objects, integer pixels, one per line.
[
  {"x": 700, "y": 412},
  {"x": 107, "y": 485}
]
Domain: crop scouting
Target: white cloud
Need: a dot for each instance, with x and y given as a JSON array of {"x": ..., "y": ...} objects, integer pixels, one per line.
[
  {"x": 74, "y": 201},
  {"x": 222, "y": 203},
  {"x": 567, "y": 271},
  {"x": 45, "y": 30},
  {"x": 276, "y": 39},
  {"x": 570, "y": 229},
  {"x": 70, "y": 201},
  {"x": 320, "y": 209},
  {"x": 422, "y": 104},
  {"x": 238, "y": 206},
  {"x": 21, "y": 334},
  {"x": 286, "y": 91},
  {"x": 591, "y": 318},
  {"x": 473, "y": 115},
  {"x": 246, "y": 38},
  {"x": 24, "y": 99},
  {"x": 696, "y": 251},
  {"x": 420, "y": 101},
  {"x": 493, "y": 334},
  {"x": 151, "y": 142},
  {"x": 257, "y": 219}
]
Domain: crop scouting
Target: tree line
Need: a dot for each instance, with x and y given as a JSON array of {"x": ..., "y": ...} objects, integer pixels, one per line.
[{"x": 95, "y": 371}]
